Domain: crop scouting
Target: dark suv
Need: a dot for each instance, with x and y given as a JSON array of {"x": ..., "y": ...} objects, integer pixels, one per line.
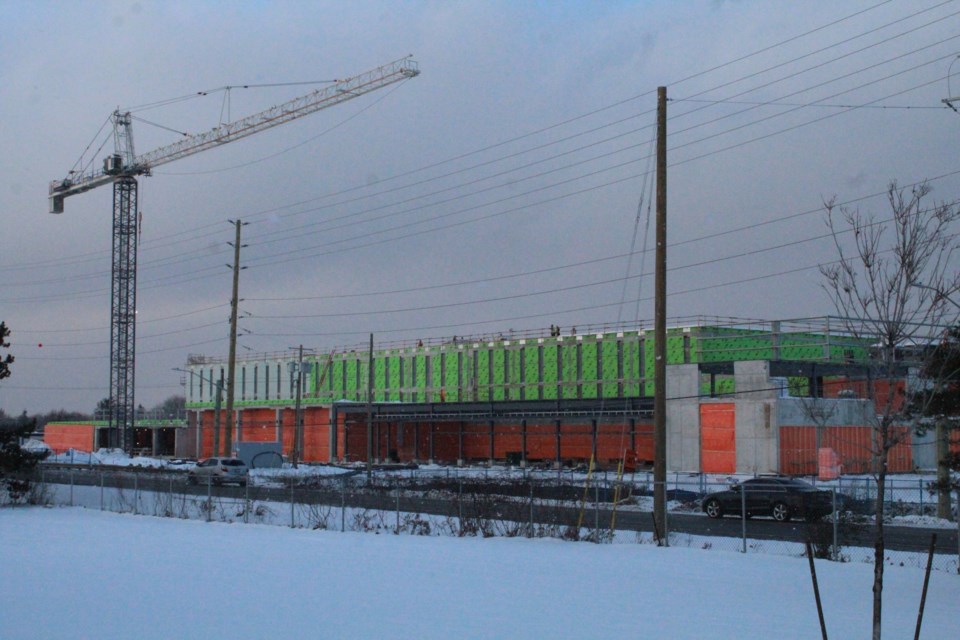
[{"x": 777, "y": 496}]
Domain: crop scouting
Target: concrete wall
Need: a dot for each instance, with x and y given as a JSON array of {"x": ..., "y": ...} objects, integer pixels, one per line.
[
  {"x": 756, "y": 409},
  {"x": 683, "y": 417},
  {"x": 925, "y": 450},
  {"x": 829, "y": 412}
]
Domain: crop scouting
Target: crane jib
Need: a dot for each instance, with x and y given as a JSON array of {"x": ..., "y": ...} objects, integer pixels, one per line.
[{"x": 336, "y": 93}]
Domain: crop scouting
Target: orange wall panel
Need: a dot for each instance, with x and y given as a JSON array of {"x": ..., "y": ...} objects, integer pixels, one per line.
[
  {"x": 316, "y": 434},
  {"x": 258, "y": 425},
  {"x": 412, "y": 442},
  {"x": 853, "y": 444},
  {"x": 61, "y": 437},
  {"x": 718, "y": 444}
]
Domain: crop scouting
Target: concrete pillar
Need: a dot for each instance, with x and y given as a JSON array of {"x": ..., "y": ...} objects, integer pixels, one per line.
[
  {"x": 756, "y": 428},
  {"x": 523, "y": 442},
  {"x": 416, "y": 441},
  {"x": 558, "y": 462},
  {"x": 460, "y": 444},
  {"x": 492, "y": 427},
  {"x": 683, "y": 417},
  {"x": 332, "y": 432}
]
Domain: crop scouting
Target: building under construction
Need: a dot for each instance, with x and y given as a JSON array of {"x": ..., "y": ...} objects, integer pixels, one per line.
[{"x": 739, "y": 399}]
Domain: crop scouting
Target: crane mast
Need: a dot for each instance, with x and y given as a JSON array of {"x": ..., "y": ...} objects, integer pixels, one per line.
[{"x": 122, "y": 168}]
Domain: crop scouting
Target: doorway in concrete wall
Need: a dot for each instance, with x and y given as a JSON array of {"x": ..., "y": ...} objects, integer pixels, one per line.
[{"x": 718, "y": 438}]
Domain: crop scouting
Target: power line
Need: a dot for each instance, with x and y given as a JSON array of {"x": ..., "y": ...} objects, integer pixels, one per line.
[
  {"x": 583, "y": 116},
  {"x": 210, "y": 269},
  {"x": 778, "y": 103}
]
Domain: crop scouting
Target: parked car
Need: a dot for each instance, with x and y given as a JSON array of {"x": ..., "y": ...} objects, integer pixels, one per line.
[
  {"x": 219, "y": 471},
  {"x": 780, "y": 497}
]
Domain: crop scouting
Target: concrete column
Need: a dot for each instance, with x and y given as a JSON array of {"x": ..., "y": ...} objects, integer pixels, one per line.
[
  {"x": 756, "y": 429},
  {"x": 683, "y": 417},
  {"x": 416, "y": 441},
  {"x": 332, "y": 432},
  {"x": 593, "y": 440},
  {"x": 558, "y": 462},
  {"x": 523, "y": 443},
  {"x": 492, "y": 427}
]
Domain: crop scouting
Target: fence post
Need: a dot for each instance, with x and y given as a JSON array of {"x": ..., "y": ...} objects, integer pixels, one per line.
[
  {"x": 292, "y": 523},
  {"x": 396, "y": 488},
  {"x": 531, "y": 507},
  {"x": 136, "y": 490},
  {"x": 596, "y": 512},
  {"x": 101, "y": 491},
  {"x": 246, "y": 502},
  {"x": 71, "y": 487},
  {"x": 957, "y": 518},
  {"x": 343, "y": 505},
  {"x": 743, "y": 517},
  {"x": 666, "y": 518},
  {"x": 460, "y": 502},
  {"x": 209, "y": 498},
  {"x": 835, "y": 555}
]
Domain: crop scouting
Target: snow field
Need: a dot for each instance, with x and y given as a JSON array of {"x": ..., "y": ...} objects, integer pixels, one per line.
[{"x": 80, "y": 573}]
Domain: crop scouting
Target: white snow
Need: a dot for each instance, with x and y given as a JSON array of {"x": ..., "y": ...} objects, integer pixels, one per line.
[{"x": 79, "y": 573}]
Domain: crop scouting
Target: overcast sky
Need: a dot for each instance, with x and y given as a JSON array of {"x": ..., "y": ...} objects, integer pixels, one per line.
[{"x": 498, "y": 190}]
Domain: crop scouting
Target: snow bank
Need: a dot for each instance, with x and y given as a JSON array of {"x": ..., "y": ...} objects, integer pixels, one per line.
[{"x": 75, "y": 573}]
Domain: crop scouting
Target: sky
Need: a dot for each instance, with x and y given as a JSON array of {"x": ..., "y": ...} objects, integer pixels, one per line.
[
  {"x": 507, "y": 187},
  {"x": 265, "y": 581}
]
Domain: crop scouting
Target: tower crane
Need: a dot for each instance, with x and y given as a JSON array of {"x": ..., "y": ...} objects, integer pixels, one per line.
[{"x": 122, "y": 167}]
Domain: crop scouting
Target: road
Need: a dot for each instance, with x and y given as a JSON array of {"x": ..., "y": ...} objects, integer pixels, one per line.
[{"x": 487, "y": 506}]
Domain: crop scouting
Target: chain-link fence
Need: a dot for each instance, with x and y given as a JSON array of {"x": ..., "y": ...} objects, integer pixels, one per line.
[{"x": 759, "y": 515}]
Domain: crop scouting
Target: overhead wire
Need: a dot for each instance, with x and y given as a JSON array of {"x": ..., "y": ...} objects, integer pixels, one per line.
[
  {"x": 181, "y": 257},
  {"x": 680, "y": 146},
  {"x": 832, "y": 23}
]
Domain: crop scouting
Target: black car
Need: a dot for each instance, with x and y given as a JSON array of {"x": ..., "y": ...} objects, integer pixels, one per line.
[{"x": 780, "y": 497}]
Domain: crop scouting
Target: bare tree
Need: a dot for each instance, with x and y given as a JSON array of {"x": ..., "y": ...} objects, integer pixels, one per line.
[{"x": 888, "y": 285}]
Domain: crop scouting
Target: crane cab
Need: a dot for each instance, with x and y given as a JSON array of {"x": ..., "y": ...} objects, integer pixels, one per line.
[{"x": 113, "y": 165}]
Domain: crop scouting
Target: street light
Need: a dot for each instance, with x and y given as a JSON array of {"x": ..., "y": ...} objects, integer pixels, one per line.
[{"x": 216, "y": 410}]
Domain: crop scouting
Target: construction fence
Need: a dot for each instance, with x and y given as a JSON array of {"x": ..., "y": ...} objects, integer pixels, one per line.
[{"x": 599, "y": 509}]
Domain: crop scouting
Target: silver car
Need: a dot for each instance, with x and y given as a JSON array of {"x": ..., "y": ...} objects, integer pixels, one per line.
[{"x": 219, "y": 471}]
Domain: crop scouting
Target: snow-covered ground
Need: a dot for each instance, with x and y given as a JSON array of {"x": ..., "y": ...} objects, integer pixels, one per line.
[{"x": 79, "y": 573}]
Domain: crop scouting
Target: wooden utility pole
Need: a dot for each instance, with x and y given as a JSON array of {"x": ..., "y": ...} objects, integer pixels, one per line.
[
  {"x": 232, "y": 362},
  {"x": 298, "y": 418},
  {"x": 370, "y": 410},
  {"x": 660, "y": 327},
  {"x": 216, "y": 417}
]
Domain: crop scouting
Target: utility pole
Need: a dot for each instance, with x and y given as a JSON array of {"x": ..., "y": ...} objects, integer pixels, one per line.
[
  {"x": 660, "y": 327},
  {"x": 370, "y": 410},
  {"x": 216, "y": 417},
  {"x": 232, "y": 363},
  {"x": 298, "y": 418}
]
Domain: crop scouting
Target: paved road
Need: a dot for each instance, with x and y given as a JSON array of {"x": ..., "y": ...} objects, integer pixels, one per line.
[{"x": 490, "y": 507}]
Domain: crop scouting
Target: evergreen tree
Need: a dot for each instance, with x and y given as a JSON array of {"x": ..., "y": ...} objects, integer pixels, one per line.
[{"x": 15, "y": 461}]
